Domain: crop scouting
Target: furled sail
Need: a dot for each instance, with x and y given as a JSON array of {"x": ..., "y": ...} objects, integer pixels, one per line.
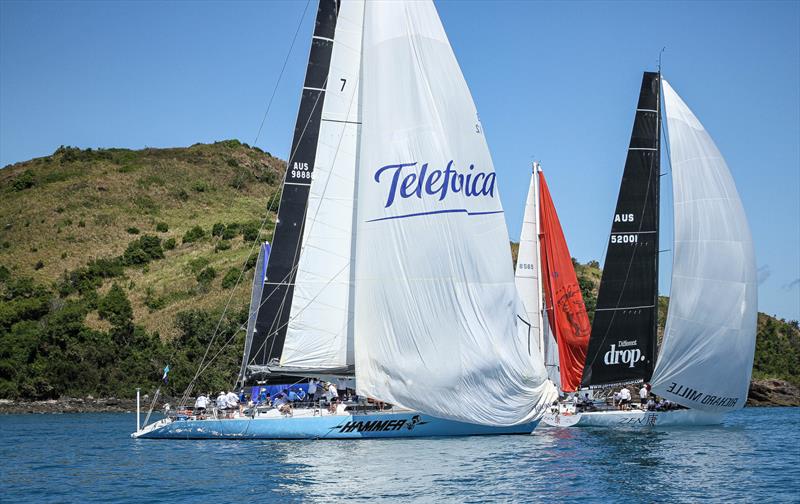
[
  {"x": 439, "y": 326},
  {"x": 623, "y": 340},
  {"x": 268, "y": 339},
  {"x": 551, "y": 360},
  {"x": 319, "y": 335},
  {"x": 566, "y": 311},
  {"x": 709, "y": 340},
  {"x": 255, "y": 301},
  {"x": 526, "y": 274}
]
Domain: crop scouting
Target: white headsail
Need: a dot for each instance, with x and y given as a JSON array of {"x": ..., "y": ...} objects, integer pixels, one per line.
[
  {"x": 319, "y": 334},
  {"x": 707, "y": 353},
  {"x": 439, "y": 326},
  {"x": 526, "y": 276}
]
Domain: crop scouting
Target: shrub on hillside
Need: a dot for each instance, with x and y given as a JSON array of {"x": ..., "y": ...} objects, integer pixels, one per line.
[
  {"x": 250, "y": 231},
  {"x": 222, "y": 245},
  {"x": 230, "y": 278},
  {"x": 132, "y": 230},
  {"x": 143, "y": 250},
  {"x": 196, "y": 265},
  {"x": 195, "y": 234},
  {"x": 89, "y": 277},
  {"x": 169, "y": 244},
  {"x": 200, "y": 186},
  {"x": 23, "y": 181},
  {"x": 162, "y": 227},
  {"x": 115, "y": 307},
  {"x": 231, "y": 231},
  {"x": 206, "y": 276},
  {"x": 218, "y": 229}
]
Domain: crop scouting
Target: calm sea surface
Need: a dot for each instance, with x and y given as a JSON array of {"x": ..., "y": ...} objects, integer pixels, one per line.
[{"x": 755, "y": 456}]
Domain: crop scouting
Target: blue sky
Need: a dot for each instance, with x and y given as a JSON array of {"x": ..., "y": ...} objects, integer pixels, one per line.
[{"x": 553, "y": 81}]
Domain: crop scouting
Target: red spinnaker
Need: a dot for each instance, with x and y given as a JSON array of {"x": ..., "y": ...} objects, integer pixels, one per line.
[{"x": 566, "y": 311}]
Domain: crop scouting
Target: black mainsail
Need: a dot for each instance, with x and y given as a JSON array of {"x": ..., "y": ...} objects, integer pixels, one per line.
[
  {"x": 267, "y": 343},
  {"x": 622, "y": 346}
]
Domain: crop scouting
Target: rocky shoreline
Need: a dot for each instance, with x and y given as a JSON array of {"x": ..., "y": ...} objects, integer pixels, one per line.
[
  {"x": 762, "y": 393},
  {"x": 75, "y": 405}
]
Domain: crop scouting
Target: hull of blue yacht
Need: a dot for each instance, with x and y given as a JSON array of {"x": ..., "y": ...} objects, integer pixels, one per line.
[
  {"x": 635, "y": 419},
  {"x": 322, "y": 426}
]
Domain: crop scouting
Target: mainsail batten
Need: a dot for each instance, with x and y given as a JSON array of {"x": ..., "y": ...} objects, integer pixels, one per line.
[
  {"x": 709, "y": 341},
  {"x": 439, "y": 327},
  {"x": 622, "y": 346}
]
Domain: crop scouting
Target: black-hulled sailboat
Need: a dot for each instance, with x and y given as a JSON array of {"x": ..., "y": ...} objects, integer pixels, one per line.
[{"x": 707, "y": 352}]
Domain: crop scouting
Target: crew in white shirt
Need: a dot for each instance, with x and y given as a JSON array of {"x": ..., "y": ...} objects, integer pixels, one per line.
[
  {"x": 222, "y": 401},
  {"x": 332, "y": 395},
  {"x": 643, "y": 393},
  {"x": 200, "y": 404},
  {"x": 624, "y": 398},
  {"x": 232, "y": 400}
]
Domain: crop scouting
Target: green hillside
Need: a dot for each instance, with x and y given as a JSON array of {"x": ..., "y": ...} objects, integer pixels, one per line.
[
  {"x": 170, "y": 228},
  {"x": 114, "y": 262}
]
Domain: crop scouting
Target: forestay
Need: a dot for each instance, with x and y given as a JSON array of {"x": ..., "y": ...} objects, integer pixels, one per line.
[
  {"x": 709, "y": 340},
  {"x": 319, "y": 333},
  {"x": 439, "y": 326}
]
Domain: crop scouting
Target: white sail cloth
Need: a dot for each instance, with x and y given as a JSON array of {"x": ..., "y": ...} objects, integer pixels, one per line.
[
  {"x": 709, "y": 340},
  {"x": 319, "y": 334},
  {"x": 438, "y": 324},
  {"x": 526, "y": 276},
  {"x": 551, "y": 361}
]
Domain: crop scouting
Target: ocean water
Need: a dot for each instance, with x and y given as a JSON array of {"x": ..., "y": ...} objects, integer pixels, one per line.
[{"x": 754, "y": 456}]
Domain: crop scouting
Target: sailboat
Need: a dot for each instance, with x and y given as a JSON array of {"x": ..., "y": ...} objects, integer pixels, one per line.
[
  {"x": 707, "y": 351},
  {"x": 548, "y": 286},
  {"x": 389, "y": 262}
]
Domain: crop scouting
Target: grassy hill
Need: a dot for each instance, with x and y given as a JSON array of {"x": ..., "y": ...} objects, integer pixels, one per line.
[
  {"x": 114, "y": 262},
  {"x": 138, "y": 250},
  {"x": 59, "y": 212}
]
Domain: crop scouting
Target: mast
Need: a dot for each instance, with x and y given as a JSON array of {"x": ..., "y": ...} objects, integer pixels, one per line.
[
  {"x": 538, "y": 238},
  {"x": 276, "y": 299},
  {"x": 623, "y": 339}
]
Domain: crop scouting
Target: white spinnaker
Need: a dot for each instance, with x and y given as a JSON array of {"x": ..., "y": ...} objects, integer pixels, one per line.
[
  {"x": 709, "y": 340},
  {"x": 438, "y": 322},
  {"x": 526, "y": 276},
  {"x": 319, "y": 334}
]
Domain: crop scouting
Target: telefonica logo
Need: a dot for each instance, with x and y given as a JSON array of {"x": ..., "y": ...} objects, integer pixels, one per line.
[{"x": 412, "y": 180}]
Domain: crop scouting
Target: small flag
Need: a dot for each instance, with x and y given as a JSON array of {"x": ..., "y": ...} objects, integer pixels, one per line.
[{"x": 166, "y": 372}]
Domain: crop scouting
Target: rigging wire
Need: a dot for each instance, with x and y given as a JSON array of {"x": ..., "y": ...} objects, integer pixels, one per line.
[
  {"x": 263, "y": 222},
  {"x": 280, "y": 75}
]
